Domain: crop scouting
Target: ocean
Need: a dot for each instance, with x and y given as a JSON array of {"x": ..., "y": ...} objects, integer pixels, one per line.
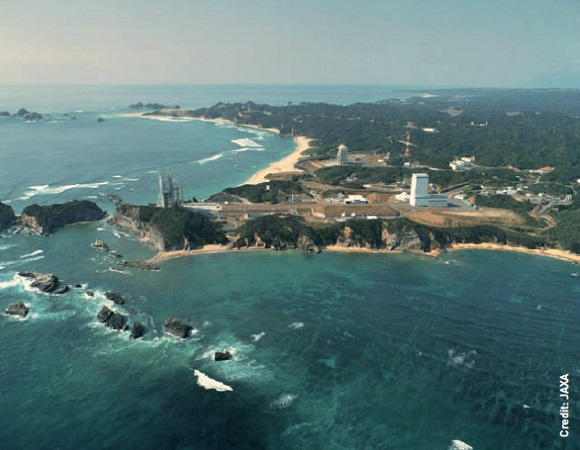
[{"x": 331, "y": 351}]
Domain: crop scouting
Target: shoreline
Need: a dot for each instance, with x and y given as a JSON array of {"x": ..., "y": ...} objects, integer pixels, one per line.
[
  {"x": 550, "y": 252},
  {"x": 284, "y": 165},
  {"x": 215, "y": 248}
]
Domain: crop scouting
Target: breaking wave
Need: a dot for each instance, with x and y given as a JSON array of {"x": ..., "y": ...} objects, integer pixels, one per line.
[
  {"x": 456, "y": 444},
  {"x": 210, "y": 384},
  {"x": 46, "y": 189},
  {"x": 246, "y": 142},
  {"x": 211, "y": 158},
  {"x": 34, "y": 253}
]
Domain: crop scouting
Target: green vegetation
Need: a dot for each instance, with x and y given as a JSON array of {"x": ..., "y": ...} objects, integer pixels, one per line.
[
  {"x": 366, "y": 233},
  {"x": 281, "y": 232},
  {"x": 286, "y": 232},
  {"x": 567, "y": 231},
  {"x": 435, "y": 237},
  {"x": 508, "y": 202},
  {"x": 445, "y": 179},
  {"x": 527, "y": 129},
  {"x": 177, "y": 224},
  {"x": 269, "y": 192},
  {"x": 51, "y": 217}
]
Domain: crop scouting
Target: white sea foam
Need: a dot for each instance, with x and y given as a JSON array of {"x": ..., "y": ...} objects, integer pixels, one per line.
[
  {"x": 7, "y": 246},
  {"x": 116, "y": 176},
  {"x": 284, "y": 401},
  {"x": 456, "y": 444},
  {"x": 208, "y": 383},
  {"x": 1, "y": 267},
  {"x": 246, "y": 142},
  {"x": 465, "y": 359},
  {"x": 100, "y": 229},
  {"x": 168, "y": 118},
  {"x": 211, "y": 158},
  {"x": 46, "y": 189},
  {"x": 34, "y": 253},
  {"x": 249, "y": 149},
  {"x": 132, "y": 179},
  {"x": 36, "y": 258},
  {"x": 12, "y": 283},
  {"x": 296, "y": 325},
  {"x": 257, "y": 337}
]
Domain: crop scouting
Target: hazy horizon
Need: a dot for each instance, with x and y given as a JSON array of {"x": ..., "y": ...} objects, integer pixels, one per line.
[{"x": 449, "y": 43}]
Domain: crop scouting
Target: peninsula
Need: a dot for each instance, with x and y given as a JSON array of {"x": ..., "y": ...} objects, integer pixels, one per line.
[{"x": 499, "y": 167}]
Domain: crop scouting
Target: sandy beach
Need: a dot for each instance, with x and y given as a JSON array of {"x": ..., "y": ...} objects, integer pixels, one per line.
[
  {"x": 210, "y": 248},
  {"x": 285, "y": 165},
  {"x": 551, "y": 252}
]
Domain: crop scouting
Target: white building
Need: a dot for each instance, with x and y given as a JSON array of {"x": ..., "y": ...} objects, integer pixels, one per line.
[
  {"x": 355, "y": 200},
  {"x": 464, "y": 163},
  {"x": 420, "y": 192},
  {"x": 342, "y": 155}
]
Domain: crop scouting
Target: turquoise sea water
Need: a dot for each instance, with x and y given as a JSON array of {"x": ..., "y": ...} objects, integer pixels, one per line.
[{"x": 332, "y": 351}]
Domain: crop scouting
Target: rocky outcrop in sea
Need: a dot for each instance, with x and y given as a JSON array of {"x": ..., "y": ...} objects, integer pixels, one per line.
[
  {"x": 117, "y": 299},
  {"x": 137, "y": 331},
  {"x": 177, "y": 328},
  {"x": 18, "y": 309},
  {"x": 112, "y": 319},
  {"x": 45, "y": 282},
  {"x": 23, "y": 113}
]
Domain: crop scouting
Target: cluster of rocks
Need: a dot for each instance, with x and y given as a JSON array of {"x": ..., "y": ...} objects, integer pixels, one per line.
[
  {"x": 119, "y": 322},
  {"x": 112, "y": 319},
  {"x": 50, "y": 284},
  {"x": 23, "y": 113}
]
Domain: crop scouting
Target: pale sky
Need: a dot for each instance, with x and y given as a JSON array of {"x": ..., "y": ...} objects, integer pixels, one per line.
[{"x": 404, "y": 42}]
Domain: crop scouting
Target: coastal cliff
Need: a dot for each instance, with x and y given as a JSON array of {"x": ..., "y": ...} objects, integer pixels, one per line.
[
  {"x": 7, "y": 217},
  {"x": 401, "y": 234},
  {"x": 289, "y": 232},
  {"x": 170, "y": 228},
  {"x": 47, "y": 219}
]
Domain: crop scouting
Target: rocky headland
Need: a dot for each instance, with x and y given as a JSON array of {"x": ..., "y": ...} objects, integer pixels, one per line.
[
  {"x": 7, "y": 217},
  {"x": 47, "y": 219},
  {"x": 169, "y": 228}
]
